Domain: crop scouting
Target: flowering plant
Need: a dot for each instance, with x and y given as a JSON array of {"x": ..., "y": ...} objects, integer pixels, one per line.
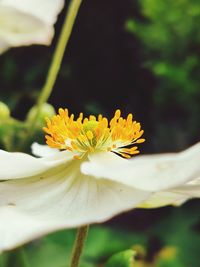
[
  {"x": 84, "y": 177},
  {"x": 89, "y": 170}
]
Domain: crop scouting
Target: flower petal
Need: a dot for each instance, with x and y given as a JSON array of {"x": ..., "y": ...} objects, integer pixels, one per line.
[
  {"x": 43, "y": 150},
  {"x": 31, "y": 23},
  {"x": 161, "y": 199},
  {"x": 177, "y": 196},
  {"x": 152, "y": 173},
  {"x": 32, "y": 207},
  {"x": 191, "y": 189},
  {"x": 23, "y": 29},
  {"x": 46, "y": 10},
  {"x": 15, "y": 165},
  {"x": 3, "y": 45}
]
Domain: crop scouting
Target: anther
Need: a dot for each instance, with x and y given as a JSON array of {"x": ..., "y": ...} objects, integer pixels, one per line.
[{"x": 117, "y": 113}]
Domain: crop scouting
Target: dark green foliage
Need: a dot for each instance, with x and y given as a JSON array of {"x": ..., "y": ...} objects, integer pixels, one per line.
[{"x": 170, "y": 36}]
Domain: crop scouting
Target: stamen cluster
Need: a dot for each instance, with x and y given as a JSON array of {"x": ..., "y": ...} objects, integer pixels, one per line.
[{"x": 91, "y": 134}]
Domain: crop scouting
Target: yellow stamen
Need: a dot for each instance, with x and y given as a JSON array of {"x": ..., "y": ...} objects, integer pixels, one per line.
[{"x": 91, "y": 134}]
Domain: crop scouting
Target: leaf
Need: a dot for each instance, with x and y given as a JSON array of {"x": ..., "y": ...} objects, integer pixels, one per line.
[{"x": 122, "y": 259}]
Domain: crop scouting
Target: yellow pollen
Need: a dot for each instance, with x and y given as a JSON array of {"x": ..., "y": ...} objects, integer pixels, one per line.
[{"x": 85, "y": 135}]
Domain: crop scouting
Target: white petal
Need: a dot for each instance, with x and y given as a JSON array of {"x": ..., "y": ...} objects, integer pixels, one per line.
[
  {"x": 33, "y": 207},
  {"x": 191, "y": 189},
  {"x": 3, "y": 45},
  {"x": 22, "y": 29},
  {"x": 161, "y": 199},
  {"x": 177, "y": 196},
  {"x": 46, "y": 10},
  {"x": 153, "y": 173},
  {"x": 15, "y": 165},
  {"x": 43, "y": 150},
  {"x": 32, "y": 22}
]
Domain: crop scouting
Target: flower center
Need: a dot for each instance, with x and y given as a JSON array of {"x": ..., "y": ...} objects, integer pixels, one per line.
[{"x": 94, "y": 134}]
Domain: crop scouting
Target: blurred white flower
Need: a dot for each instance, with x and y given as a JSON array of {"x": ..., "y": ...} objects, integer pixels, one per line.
[
  {"x": 88, "y": 182},
  {"x": 26, "y": 22}
]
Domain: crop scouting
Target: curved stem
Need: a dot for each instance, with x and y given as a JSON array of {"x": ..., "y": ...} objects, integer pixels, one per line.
[
  {"x": 78, "y": 245},
  {"x": 57, "y": 59}
]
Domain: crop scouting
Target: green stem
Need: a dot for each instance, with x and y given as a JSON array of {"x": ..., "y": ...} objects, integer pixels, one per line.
[
  {"x": 23, "y": 258},
  {"x": 78, "y": 245},
  {"x": 57, "y": 59},
  {"x": 2, "y": 260}
]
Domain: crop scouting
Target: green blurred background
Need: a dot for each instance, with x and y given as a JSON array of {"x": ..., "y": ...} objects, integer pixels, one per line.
[{"x": 142, "y": 57}]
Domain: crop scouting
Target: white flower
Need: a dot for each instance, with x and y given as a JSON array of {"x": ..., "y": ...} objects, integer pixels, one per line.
[
  {"x": 88, "y": 182},
  {"x": 26, "y": 22}
]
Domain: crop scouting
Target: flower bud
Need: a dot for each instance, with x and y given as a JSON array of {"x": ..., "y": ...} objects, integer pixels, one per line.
[
  {"x": 47, "y": 110},
  {"x": 4, "y": 111}
]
